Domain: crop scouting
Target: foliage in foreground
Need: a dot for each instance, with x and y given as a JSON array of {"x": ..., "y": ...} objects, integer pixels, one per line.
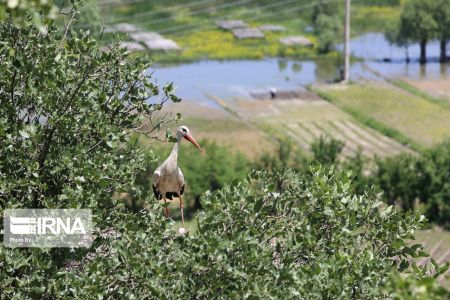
[
  {"x": 67, "y": 113},
  {"x": 281, "y": 235}
]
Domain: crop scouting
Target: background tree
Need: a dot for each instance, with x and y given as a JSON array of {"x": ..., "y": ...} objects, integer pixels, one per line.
[
  {"x": 327, "y": 20},
  {"x": 326, "y": 151},
  {"x": 442, "y": 17},
  {"x": 417, "y": 23},
  {"x": 433, "y": 186},
  {"x": 396, "y": 35}
]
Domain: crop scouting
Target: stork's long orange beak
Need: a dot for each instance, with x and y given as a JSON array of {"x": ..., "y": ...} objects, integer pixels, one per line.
[{"x": 191, "y": 139}]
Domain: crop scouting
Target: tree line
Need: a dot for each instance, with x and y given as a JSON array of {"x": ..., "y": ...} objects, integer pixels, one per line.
[{"x": 421, "y": 22}]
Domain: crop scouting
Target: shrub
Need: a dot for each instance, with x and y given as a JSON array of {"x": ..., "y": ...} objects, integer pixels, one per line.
[
  {"x": 433, "y": 178},
  {"x": 326, "y": 151},
  {"x": 397, "y": 177},
  {"x": 285, "y": 155},
  {"x": 280, "y": 235},
  {"x": 408, "y": 180}
]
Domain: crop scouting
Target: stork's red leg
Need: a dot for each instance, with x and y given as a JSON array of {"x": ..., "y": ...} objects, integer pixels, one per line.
[
  {"x": 166, "y": 209},
  {"x": 181, "y": 209}
]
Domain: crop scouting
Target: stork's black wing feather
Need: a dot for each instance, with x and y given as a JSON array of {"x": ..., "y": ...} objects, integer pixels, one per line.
[
  {"x": 182, "y": 189},
  {"x": 157, "y": 194},
  {"x": 169, "y": 195}
]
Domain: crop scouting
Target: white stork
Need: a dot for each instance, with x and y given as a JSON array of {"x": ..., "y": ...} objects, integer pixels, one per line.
[{"x": 168, "y": 180}]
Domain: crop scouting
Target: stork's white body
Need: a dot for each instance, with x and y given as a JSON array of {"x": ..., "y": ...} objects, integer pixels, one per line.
[{"x": 168, "y": 180}]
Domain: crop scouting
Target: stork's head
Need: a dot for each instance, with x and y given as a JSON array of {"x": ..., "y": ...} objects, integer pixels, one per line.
[{"x": 183, "y": 132}]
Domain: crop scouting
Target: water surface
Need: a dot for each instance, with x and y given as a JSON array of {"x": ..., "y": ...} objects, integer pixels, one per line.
[{"x": 238, "y": 77}]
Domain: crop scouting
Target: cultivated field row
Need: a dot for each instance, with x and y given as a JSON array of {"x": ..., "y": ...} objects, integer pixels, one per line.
[
  {"x": 355, "y": 137},
  {"x": 437, "y": 244}
]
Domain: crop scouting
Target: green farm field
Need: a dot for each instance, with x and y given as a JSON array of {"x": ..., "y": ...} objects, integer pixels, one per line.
[{"x": 423, "y": 121}]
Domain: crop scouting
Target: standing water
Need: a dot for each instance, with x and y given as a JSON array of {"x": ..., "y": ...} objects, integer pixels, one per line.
[
  {"x": 239, "y": 77},
  {"x": 390, "y": 60}
]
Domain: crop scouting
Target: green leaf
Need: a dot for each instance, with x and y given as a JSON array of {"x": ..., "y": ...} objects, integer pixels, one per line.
[{"x": 24, "y": 134}]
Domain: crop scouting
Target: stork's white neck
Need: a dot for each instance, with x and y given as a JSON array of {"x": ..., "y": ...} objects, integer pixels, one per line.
[{"x": 174, "y": 154}]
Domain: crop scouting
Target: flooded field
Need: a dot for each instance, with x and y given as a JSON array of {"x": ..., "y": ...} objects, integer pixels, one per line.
[
  {"x": 390, "y": 60},
  {"x": 238, "y": 78},
  {"x": 228, "y": 79}
]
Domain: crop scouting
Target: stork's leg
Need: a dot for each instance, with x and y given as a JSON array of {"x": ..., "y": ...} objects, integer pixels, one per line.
[
  {"x": 181, "y": 209},
  {"x": 166, "y": 209}
]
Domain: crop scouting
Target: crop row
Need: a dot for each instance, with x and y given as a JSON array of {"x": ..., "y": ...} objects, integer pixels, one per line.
[{"x": 353, "y": 135}]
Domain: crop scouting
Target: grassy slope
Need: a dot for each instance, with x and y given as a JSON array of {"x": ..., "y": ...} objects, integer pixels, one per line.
[{"x": 422, "y": 121}]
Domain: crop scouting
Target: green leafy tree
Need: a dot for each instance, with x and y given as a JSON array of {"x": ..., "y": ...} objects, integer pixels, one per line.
[
  {"x": 19, "y": 12},
  {"x": 418, "y": 24},
  {"x": 442, "y": 17},
  {"x": 327, "y": 28},
  {"x": 89, "y": 16},
  {"x": 67, "y": 114},
  {"x": 358, "y": 168},
  {"x": 325, "y": 8},
  {"x": 307, "y": 237},
  {"x": 285, "y": 155},
  {"x": 408, "y": 180},
  {"x": 327, "y": 20}
]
